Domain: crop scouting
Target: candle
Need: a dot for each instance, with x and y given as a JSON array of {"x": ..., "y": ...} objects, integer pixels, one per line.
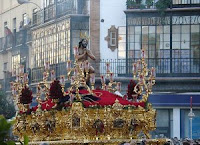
[
  {"x": 153, "y": 72},
  {"x": 134, "y": 68},
  {"x": 25, "y": 77},
  {"x": 107, "y": 67},
  {"x": 13, "y": 91},
  {"x": 92, "y": 78},
  {"x": 141, "y": 78},
  {"x": 111, "y": 76},
  {"x": 106, "y": 87},
  {"x": 139, "y": 65},
  {"x": 53, "y": 76},
  {"x": 68, "y": 66},
  {"x": 44, "y": 75},
  {"x": 142, "y": 54},
  {"x": 75, "y": 51},
  {"x": 17, "y": 78},
  {"x": 46, "y": 65},
  {"x": 14, "y": 72},
  {"x": 38, "y": 89},
  {"x": 72, "y": 79},
  {"x": 21, "y": 69},
  {"x": 17, "y": 71},
  {"x": 102, "y": 79},
  {"x": 191, "y": 102},
  {"x": 62, "y": 79},
  {"x": 81, "y": 66},
  {"x": 118, "y": 86}
]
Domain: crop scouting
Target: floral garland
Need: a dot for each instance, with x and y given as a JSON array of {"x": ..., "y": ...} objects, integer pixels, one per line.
[
  {"x": 26, "y": 96},
  {"x": 55, "y": 90}
]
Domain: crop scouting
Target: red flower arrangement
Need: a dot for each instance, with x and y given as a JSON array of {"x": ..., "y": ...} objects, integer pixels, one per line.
[
  {"x": 26, "y": 96},
  {"x": 55, "y": 90},
  {"x": 130, "y": 91}
]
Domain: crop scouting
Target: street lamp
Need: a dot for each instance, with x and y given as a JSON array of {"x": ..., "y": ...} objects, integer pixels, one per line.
[
  {"x": 27, "y": 1},
  {"x": 191, "y": 116}
]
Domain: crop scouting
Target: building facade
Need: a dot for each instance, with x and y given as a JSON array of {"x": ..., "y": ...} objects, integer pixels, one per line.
[
  {"x": 118, "y": 31},
  {"x": 15, "y": 23},
  {"x": 171, "y": 41}
]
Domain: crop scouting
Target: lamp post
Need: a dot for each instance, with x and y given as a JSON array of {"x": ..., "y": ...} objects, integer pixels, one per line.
[
  {"x": 191, "y": 115},
  {"x": 28, "y": 1}
]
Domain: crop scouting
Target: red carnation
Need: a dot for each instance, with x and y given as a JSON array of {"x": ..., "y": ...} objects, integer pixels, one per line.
[
  {"x": 26, "y": 96},
  {"x": 56, "y": 90},
  {"x": 130, "y": 91}
]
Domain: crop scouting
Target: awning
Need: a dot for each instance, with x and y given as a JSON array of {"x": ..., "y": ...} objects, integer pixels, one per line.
[{"x": 174, "y": 100}]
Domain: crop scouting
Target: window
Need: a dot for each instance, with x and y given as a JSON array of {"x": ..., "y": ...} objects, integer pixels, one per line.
[
  {"x": 185, "y": 124},
  {"x": 14, "y": 25},
  {"x": 5, "y": 66},
  {"x": 122, "y": 43},
  {"x": 25, "y": 19},
  {"x": 5, "y": 25},
  {"x": 34, "y": 16},
  {"x": 112, "y": 38},
  {"x": 46, "y": 3},
  {"x": 52, "y": 45},
  {"x": 176, "y": 52},
  {"x": 164, "y": 122},
  {"x": 15, "y": 64}
]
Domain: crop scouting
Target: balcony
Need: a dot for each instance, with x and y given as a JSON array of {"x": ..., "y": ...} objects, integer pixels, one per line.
[
  {"x": 6, "y": 42},
  {"x": 14, "y": 40},
  {"x": 160, "y": 4},
  {"x": 60, "y": 9},
  {"x": 165, "y": 67}
]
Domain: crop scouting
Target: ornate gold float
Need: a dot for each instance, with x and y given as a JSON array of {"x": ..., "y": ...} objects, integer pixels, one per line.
[{"x": 95, "y": 124}]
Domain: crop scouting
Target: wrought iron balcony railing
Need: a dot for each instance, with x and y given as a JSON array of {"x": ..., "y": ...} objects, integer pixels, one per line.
[
  {"x": 165, "y": 67},
  {"x": 151, "y": 4},
  {"x": 15, "y": 39},
  {"x": 64, "y": 7}
]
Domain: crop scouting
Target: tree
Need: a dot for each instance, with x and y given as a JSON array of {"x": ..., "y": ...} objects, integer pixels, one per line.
[
  {"x": 5, "y": 127},
  {"x": 7, "y": 108},
  {"x": 4, "y": 131}
]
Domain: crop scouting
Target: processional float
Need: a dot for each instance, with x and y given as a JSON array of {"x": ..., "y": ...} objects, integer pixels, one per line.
[{"x": 82, "y": 114}]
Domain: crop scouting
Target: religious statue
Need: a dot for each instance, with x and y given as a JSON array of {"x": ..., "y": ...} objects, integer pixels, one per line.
[{"x": 84, "y": 54}]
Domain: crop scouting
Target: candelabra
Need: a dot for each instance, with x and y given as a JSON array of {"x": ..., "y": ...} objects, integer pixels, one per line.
[
  {"x": 80, "y": 77},
  {"x": 112, "y": 85},
  {"x": 45, "y": 84},
  {"x": 17, "y": 86},
  {"x": 144, "y": 77}
]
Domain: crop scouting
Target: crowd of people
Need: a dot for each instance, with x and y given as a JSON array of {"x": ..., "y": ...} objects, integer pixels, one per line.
[
  {"x": 185, "y": 141},
  {"x": 172, "y": 141}
]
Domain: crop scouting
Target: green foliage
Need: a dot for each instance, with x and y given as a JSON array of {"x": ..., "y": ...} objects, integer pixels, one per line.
[
  {"x": 142, "y": 6},
  {"x": 26, "y": 140},
  {"x": 10, "y": 143},
  {"x": 130, "y": 4},
  {"x": 5, "y": 127},
  {"x": 7, "y": 108},
  {"x": 162, "y": 5},
  {"x": 133, "y": 4},
  {"x": 149, "y": 3},
  {"x": 4, "y": 131}
]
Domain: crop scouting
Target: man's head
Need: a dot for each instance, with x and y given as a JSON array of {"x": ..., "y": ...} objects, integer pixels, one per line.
[{"x": 83, "y": 43}]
